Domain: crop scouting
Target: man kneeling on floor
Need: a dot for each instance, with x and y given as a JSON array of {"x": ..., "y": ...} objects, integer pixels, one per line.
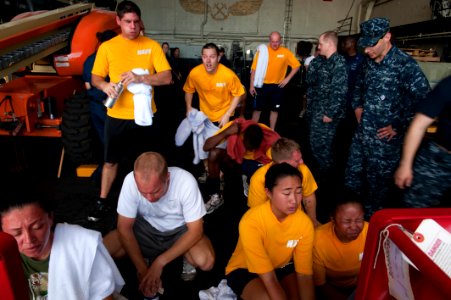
[{"x": 160, "y": 218}]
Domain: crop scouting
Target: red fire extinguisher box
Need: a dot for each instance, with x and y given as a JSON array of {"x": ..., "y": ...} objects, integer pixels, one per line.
[{"x": 429, "y": 281}]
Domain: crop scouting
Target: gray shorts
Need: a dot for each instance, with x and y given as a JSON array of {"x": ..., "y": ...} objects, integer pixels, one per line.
[{"x": 153, "y": 242}]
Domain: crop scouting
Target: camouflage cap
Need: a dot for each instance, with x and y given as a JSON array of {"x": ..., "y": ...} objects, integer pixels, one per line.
[{"x": 373, "y": 30}]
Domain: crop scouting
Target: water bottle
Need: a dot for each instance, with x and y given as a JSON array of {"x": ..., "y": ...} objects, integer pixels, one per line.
[{"x": 110, "y": 101}]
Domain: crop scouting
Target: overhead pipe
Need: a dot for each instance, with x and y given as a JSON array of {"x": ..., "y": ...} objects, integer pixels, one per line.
[{"x": 204, "y": 22}]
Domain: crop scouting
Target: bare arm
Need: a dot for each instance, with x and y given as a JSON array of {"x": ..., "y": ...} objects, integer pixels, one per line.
[
  {"x": 243, "y": 105},
  {"x": 160, "y": 78},
  {"x": 310, "y": 208},
  {"x": 225, "y": 118},
  {"x": 129, "y": 242},
  {"x": 213, "y": 141},
  {"x": 184, "y": 243},
  {"x": 188, "y": 102},
  {"x": 305, "y": 286},
  {"x": 287, "y": 79},
  {"x": 152, "y": 278},
  {"x": 272, "y": 285},
  {"x": 412, "y": 141},
  {"x": 108, "y": 88},
  {"x": 358, "y": 113},
  {"x": 251, "y": 84}
]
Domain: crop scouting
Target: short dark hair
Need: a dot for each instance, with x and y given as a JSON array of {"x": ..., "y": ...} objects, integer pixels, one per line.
[
  {"x": 127, "y": 7},
  {"x": 304, "y": 48},
  {"x": 345, "y": 197},
  {"x": 173, "y": 50},
  {"x": 20, "y": 197},
  {"x": 211, "y": 46},
  {"x": 252, "y": 137},
  {"x": 279, "y": 171}
]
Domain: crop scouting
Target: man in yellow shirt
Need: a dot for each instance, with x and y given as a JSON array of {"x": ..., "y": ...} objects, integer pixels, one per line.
[
  {"x": 218, "y": 87},
  {"x": 271, "y": 93},
  {"x": 285, "y": 151},
  {"x": 117, "y": 58}
]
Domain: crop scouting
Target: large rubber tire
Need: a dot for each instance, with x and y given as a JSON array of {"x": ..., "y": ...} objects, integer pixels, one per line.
[{"x": 76, "y": 129}]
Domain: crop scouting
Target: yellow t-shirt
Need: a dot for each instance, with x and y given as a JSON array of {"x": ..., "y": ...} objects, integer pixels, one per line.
[
  {"x": 278, "y": 62},
  {"x": 120, "y": 55},
  {"x": 265, "y": 244},
  {"x": 336, "y": 262},
  {"x": 216, "y": 91},
  {"x": 257, "y": 194}
]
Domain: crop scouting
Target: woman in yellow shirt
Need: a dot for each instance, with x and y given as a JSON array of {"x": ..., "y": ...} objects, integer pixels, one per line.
[
  {"x": 338, "y": 251},
  {"x": 273, "y": 257}
]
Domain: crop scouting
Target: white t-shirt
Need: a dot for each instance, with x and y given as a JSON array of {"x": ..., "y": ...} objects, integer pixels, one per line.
[
  {"x": 308, "y": 60},
  {"x": 181, "y": 204}
]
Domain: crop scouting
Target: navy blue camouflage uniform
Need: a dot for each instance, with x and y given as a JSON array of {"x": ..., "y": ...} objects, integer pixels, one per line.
[
  {"x": 327, "y": 81},
  {"x": 431, "y": 183},
  {"x": 388, "y": 92}
]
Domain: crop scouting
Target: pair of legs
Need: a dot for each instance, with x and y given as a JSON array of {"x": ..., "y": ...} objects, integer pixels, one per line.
[
  {"x": 272, "y": 118},
  {"x": 125, "y": 139},
  {"x": 255, "y": 289},
  {"x": 249, "y": 286},
  {"x": 370, "y": 168},
  {"x": 270, "y": 95},
  {"x": 216, "y": 158},
  {"x": 153, "y": 243}
]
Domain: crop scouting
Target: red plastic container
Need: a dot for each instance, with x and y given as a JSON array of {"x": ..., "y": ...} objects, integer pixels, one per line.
[
  {"x": 13, "y": 285},
  {"x": 430, "y": 282}
]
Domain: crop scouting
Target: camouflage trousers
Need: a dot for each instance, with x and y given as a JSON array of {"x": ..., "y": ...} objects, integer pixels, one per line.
[
  {"x": 322, "y": 136},
  {"x": 370, "y": 168},
  {"x": 432, "y": 177}
]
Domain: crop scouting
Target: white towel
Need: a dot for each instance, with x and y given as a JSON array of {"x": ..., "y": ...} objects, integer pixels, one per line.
[
  {"x": 202, "y": 128},
  {"x": 73, "y": 254},
  {"x": 262, "y": 65},
  {"x": 222, "y": 292},
  {"x": 142, "y": 98}
]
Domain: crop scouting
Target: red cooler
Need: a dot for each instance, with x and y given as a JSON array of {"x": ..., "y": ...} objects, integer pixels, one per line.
[{"x": 429, "y": 281}]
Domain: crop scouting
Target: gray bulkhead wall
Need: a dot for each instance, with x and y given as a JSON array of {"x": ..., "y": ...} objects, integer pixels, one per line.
[
  {"x": 243, "y": 24},
  {"x": 247, "y": 23},
  {"x": 402, "y": 12}
]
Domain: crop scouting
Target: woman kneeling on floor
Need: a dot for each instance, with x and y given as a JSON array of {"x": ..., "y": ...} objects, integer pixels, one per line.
[
  {"x": 273, "y": 257},
  {"x": 338, "y": 250}
]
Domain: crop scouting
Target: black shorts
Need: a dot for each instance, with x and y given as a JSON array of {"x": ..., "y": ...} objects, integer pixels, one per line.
[
  {"x": 238, "y": 279},
  {"x": 269, "y": 96},
  {"x": 124, "y": 138}
]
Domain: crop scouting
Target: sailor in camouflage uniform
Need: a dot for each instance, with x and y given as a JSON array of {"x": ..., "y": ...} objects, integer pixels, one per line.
[
  {"x": 385, "y": 97},
  {"x": 327, "y": 81},
  {"x": 425, "y": 168}
]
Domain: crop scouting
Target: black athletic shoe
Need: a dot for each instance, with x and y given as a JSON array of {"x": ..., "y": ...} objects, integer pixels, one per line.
[{"x": 99, "y": 211}]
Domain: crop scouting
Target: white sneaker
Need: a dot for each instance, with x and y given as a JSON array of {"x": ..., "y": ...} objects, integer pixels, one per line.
[
  {"x": 215, "y": 201},
  {"x": 245, "y": 185},
  {"x": 203, "y": 178},
  {"x": 189, "y": 271}
]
